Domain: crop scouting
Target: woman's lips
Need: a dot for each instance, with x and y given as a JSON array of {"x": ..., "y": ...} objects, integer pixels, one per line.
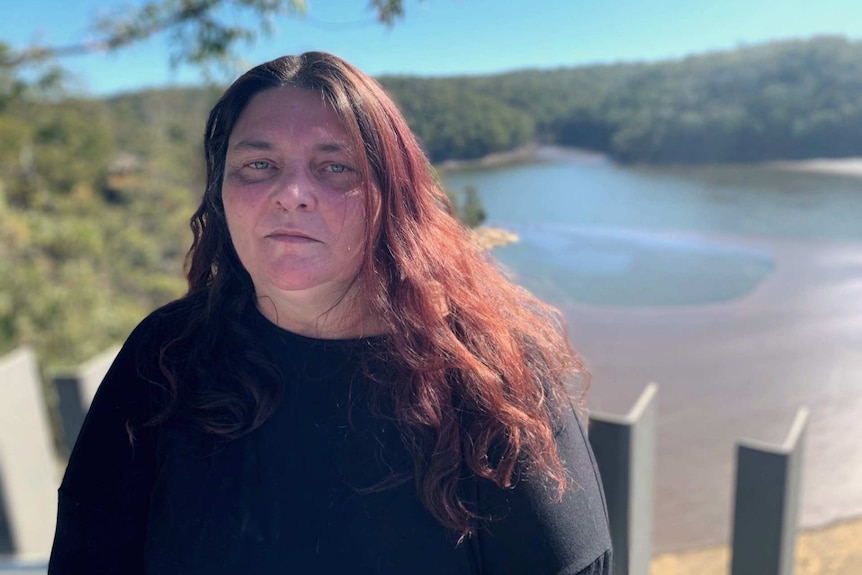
[{"x": 291, "y": 237}]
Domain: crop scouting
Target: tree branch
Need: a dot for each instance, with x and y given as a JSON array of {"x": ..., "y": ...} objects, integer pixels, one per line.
[{"x": 200, "y": 35}]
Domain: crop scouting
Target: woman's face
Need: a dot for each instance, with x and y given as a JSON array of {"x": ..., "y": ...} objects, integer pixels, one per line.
[{"x": 294, "y": 199}]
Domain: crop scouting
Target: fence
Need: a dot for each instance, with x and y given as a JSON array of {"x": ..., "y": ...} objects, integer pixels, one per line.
[{"x": 765, "y": 512}]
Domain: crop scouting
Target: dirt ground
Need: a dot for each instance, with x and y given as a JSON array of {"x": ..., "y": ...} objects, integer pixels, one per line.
[{"x": 832, "y": 550}]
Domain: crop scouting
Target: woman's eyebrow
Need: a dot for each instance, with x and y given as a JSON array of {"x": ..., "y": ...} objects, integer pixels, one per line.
[
  {"x": 264, "y": 145},
  {"x": 332, "y": 147},
  {"x": 253, "y": 145}
]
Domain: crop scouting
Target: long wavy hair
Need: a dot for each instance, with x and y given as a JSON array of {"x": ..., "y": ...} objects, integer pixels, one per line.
[{"x": 476, "y": 367}]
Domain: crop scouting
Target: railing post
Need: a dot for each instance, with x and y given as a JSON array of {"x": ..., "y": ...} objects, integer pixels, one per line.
[
  {"x": 27, "y": 461},
  {"x": 7, "y": 538},
  {"x": 75, "y": 392},
  {"x": 625, "y": 452},
  {"x": 768, "y": 481}
]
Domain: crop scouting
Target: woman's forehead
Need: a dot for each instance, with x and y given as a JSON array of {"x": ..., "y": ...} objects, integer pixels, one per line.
[{"x": 289, "y": 112}]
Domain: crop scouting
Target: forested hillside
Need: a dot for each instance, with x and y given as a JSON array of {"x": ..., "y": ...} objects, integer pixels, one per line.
[
  {"x": 786, "y": 100},
  {"x": 95, "y": 194},
  {"x": 94, "y": 203}
]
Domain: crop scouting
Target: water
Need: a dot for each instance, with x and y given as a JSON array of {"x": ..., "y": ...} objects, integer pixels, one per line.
[
  {"x": 737, "y": 289},
  {"x": 615, "y": 236},
  {"x": 632, "y": 267},
  {"x": 736, "y": 200}
]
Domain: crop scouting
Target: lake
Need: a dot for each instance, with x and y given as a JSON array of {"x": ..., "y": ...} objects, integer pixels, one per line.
[{"x": 738, "y": 289}]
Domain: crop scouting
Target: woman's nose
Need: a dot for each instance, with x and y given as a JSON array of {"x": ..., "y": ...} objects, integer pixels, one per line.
[{"x": 294, "y": 189}]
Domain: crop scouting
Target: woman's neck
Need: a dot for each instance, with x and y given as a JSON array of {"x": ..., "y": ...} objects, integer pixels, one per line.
[{"x": 349, "y": 317}]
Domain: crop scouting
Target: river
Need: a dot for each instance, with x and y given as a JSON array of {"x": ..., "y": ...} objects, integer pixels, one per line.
[{"x": 738, "y": 289}]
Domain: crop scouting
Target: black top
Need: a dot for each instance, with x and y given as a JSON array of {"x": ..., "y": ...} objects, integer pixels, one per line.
[{"x": 288, "y": 497}]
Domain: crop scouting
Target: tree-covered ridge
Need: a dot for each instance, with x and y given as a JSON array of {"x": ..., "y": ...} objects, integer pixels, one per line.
[
  {"x": 785, "y": 100},
  {"x": 782, "y": 101},
  {"x": 95, "y": 194},
  {"x": 454, "y": 120}
]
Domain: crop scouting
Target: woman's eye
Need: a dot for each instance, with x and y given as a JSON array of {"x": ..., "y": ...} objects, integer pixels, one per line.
[
  {"x": 260, "y": 165},
  {"x": 336, "y": 168}
]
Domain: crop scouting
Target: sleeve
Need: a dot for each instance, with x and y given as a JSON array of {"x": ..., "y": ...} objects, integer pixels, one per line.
[
  {"x": 104, "y": 495},
  {"x": 530, "y": 531}
]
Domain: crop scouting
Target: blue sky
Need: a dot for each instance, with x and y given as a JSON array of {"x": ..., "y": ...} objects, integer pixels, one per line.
[{"x": 448, "y": 37}]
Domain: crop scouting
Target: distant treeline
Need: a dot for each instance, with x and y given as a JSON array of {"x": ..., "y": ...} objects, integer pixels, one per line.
[{"x": 786, "y": 100}]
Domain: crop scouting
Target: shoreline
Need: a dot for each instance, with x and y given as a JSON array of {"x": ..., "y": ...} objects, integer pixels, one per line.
[
  {"x": 850, "y": 167},
  {"x": 538, "y": 153},
  {"x": 489, "y": 238},
  {"x": 522, "y": 155},
  {"x": 829, "y": 550},
  {"x": 530, "y": 154}
]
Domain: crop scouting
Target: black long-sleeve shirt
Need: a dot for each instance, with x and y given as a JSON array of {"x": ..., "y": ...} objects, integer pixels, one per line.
[{"x": 287, "y": 497}]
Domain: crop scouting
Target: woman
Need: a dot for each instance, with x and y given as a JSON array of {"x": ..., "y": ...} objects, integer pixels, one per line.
[{"x": 350, "y": 386}]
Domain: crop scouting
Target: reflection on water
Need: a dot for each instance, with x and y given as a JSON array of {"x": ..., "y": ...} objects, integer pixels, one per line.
[{"x": 625, "y": 267}]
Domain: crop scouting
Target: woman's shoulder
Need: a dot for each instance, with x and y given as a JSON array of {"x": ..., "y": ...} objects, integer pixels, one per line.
[
  {"x": 138, "y": 358},
  {"x": 175, "y": 314},
  {"x": 167, "y": 322},
  {"x": 568, "y": 534}
]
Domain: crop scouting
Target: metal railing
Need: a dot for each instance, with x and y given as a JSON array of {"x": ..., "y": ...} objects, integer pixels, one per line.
[
  {"x": 625, "y": 452},
  {"x": 766, "y": 509},
  {"x": 765, "y": 512}
]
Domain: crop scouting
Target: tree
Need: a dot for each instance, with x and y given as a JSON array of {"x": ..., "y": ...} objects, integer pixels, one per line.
[
  {"x": 471, "y": 211},
  {"x": 467, "y": 206},
  {"x": 202, "y": 31}
]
